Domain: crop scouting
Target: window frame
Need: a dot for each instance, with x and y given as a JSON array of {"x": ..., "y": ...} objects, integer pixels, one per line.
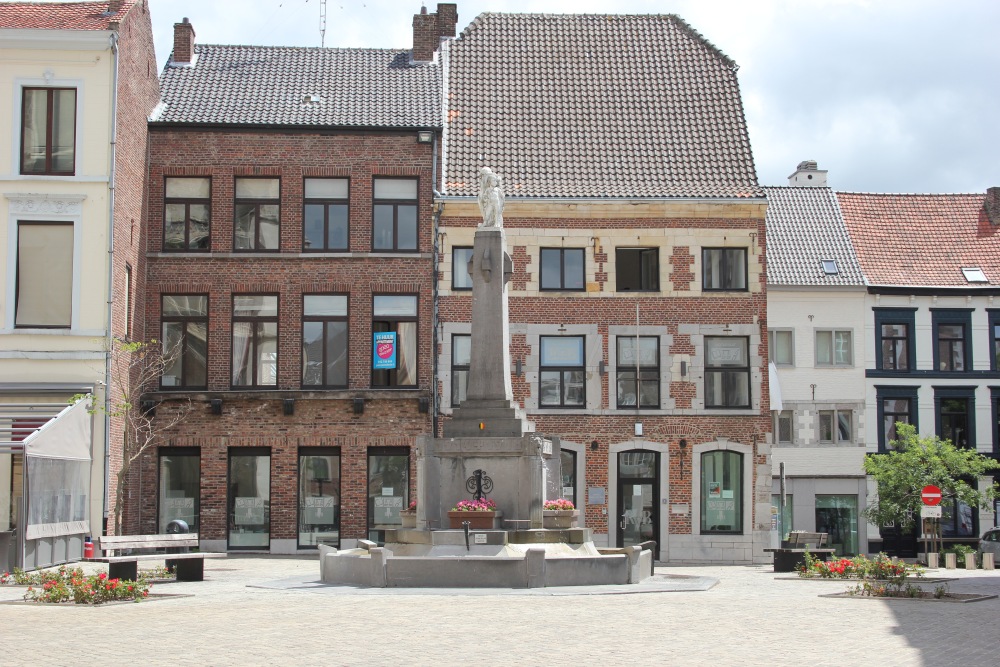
[
  {"x": 942, "y": 395},
  {"x": 993, "y": 317},
  {"x": 834, "y": 438},
  {"x": 895, "y": 316},
  {"x": 177, "y": 452},
  {"x": 460, "y": 268},
  {"x": 643, "y": 254},
  {"x": 305, "y": 452},
  {"x": 256, "y": 202},
  {"x": 326, "y": 203},
  {"x": 396, "y": 204},
  {"x": 780, "y": 415},
  {"x": 562, "y": 370},
  {"x": 725, "y": 261},
  {"x": 771, "y": 335},
  {"x": 370, "y": 525},
  {"x": 833, "y": 363},
  {"x": 737, "y": 495},
  {"x": 562, "y": 270},
  {"x": 48, "y": 130},
  {"x": 950, "y": 317},
  {"x": 187, "y": 202},
  {"x": 256, "y": 335},
  {"x": 895, "y": 393},
  {"x": 644, "y": 371},
  {"x": 185, "y": 320},
  {"x": 457, "y": 368},
  {"x": 393, "y": 321},
  {"x": 726, "y": 370},
  {"x": 325, "y": 320}
]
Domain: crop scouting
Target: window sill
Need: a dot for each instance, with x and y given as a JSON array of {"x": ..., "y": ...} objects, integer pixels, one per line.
[
  {"x": 281, "y": 254},
  {"x": 278, "y": 394},
  {"x": 90, "y": 333}
]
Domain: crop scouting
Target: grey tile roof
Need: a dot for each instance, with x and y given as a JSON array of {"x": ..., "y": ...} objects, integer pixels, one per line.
[
  {"x": 266, "y": 85},
  {"x": 594, "y": 106},
  {"x": 805, "y": 226}
]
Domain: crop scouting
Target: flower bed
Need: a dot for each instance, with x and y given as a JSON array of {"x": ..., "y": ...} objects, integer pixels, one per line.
[
  {"x": 858, "y": 567},
  {"x": 72, "y": 585}
]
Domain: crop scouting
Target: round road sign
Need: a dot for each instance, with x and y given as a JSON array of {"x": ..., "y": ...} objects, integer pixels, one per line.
[{"x": 931, "y": 495}]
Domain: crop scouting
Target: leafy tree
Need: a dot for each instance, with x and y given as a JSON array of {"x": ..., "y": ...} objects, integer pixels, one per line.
[{"x": 916, "y": 462}]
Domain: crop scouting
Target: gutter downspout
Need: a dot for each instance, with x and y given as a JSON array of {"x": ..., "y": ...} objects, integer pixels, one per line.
[
  {"x": 109, "y": 338},
  {"x": 436, "y": 257}
]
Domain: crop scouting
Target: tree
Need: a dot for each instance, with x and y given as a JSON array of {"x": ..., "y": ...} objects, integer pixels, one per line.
[
  {"x": 136, "y": 367},
  {"x": 916, "y": 462}
]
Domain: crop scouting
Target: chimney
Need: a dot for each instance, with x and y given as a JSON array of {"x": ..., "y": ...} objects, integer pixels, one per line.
[
  {"x": 430, "y": 29},
  {"x": 115, "y": 6},
  {"x": 183, "y": 43},
  {"x": 992, "y": 205},
  {"x": 807, "y": 175}
]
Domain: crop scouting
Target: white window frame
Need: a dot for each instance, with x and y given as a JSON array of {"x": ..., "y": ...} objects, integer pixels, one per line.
[
  {"x": 833, "y": 337},
  {"x": 834, "y": 438},
  {"x": 770, "y": 346}
]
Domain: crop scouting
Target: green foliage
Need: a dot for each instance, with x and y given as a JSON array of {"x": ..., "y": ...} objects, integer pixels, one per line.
[
  {"x": 916, "y": 462},
  {"x": 72, "y": 585}
]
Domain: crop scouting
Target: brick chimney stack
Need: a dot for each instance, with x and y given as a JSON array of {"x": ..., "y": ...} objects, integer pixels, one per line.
[
  {"x": 183, "y": 43},
  {"x": 430, "y": 29},
  {"x": 115, "y": 6},
  {"x": 992, "y": 205}
]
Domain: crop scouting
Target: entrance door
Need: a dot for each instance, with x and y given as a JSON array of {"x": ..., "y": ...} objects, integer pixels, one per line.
[{"x": 638, "y": 497}]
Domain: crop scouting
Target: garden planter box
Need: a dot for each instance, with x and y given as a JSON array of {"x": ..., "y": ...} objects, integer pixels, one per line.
[
  {"x": 409, "y": 519},
  {"x": 477, "y": 520},
  {"x": 560, "y": 518}
]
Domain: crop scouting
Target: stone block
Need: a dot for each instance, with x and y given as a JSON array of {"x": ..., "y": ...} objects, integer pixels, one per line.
[
  {"x": 534, "y": 563},
  {"x": 378, "y": 557}
]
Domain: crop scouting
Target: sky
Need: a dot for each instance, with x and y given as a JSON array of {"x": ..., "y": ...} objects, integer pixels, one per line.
[{"x": 887, "y": 95}]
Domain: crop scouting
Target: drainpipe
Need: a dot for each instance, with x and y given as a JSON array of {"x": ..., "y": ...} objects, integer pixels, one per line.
[
  {"x": 109, "y": 339},
  {"x": 437, "y": 208}
]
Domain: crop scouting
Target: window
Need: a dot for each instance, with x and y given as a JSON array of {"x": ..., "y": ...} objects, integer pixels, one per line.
[
  {"x": 837, "y": 516},
  {"x": 894, "y": 329},
  {"x": 561, "y": 377},
  {"x": 994, "y": 317},
  {"x": 835, "y": 426},
  {"x": 461, "y": 355},
  {"x": 319, "y": 497},
  {"x": 783, "y": 426},
  {"x": 721, "y": 492},
  {"x": 257, "y": 212},
  {"x": 325, "y": 215},
  {"x": 255, "y": 341},
  {"x": 128, "y": 301},
  {"x": 781, "y": 517},
  {"x": 249, "y": 498},
  {"x": 727, "y": 372},
  {"x": 955, "y": 408},
  {"x": 780, "y": 348},
  {"x": 180, "y": 486},
  {"x": 724, "y": 269},
  {"x": 830, "y": 267},
  {"x": 958, "y": 519},
  {"x": 567, "y": 467},
  {"x": 388, "y": 489},
  {"x": 834, "y": 348},
  {"x": 184, "y": 321},
  {"x": 44, "y": 291},
  {"x": 974, "y": 275},
  {"x": 895, "y": 404},
  {"x": 48, "y": 131},
  {"x": 638, "y": 269},
  {"x": 324, "y": 340},
  {"x": 186, "y": 213},
  {"x": 952, "y": 342},
  {"x": 562, "y": 269},
  {"x": 460, "y": 277},
  {"x": 398, "y": 314},
  {"x": 395, "y": 214},
  {"x": 647, "y": 364}
]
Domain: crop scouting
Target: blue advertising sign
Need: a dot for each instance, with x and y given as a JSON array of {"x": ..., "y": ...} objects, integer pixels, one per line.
[{"x": 384, "y": 350}]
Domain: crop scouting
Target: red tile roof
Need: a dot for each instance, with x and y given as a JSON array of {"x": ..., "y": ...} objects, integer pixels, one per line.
[
  {"x": 922, "y": 240},
  {"x": 60, "y": 16}
]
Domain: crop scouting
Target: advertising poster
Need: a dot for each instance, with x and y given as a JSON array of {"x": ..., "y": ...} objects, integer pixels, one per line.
[{"x": 384, "y": 350}]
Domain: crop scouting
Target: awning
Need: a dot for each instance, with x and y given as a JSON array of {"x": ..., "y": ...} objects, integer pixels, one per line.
[{"x": 775, "y": 388}]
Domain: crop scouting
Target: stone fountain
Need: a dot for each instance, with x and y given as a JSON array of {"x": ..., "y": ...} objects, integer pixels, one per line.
[{"x": 490, "y": 446}]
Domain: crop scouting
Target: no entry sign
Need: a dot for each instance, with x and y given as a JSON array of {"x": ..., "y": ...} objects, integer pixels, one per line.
[{"x": 931, "y": 495}]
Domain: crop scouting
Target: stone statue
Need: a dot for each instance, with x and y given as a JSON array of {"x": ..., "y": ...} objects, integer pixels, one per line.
[{"x": 490, "y": 198}]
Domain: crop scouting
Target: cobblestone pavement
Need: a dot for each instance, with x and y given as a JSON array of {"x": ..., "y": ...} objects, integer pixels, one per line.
[{"x": 752, "y": 617}]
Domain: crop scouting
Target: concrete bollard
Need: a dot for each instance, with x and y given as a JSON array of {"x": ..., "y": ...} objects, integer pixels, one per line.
[
  {"x": 933, "y": 561},
  {"x": 970, "y": 561},
  {"x": 378, "y": 556},
  {"x": 988, "y": 559},
  {"x": 534, "y": 561},
  {"x": 950, "y": 561}
]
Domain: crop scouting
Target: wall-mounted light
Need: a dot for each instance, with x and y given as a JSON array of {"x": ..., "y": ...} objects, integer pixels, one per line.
[
  {"x": 216, "y": 406},
  {"x": 288, "y": 406},
  {"x": 425, "y": 137},
  {"x": 148, "y": 408},
  {"x": 359, "y": 406}
]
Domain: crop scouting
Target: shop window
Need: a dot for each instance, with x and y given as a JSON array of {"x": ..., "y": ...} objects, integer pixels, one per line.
[
  {"x": 836, "y": 426},
  {"x": 324, "y": 340},
  {"x": 638, "y": 374},
  {"x": 837, "y": 516},
  {"x": 395, "y": 214},
  {"x": 396, "y": 314},
  {"x": 834, "y": 348},
  {"x": 727, "y": 372},
  {"x": 184, "y": 321},
  {"x": 895, "y": 404},
  {"x": 388, "y": 489},
  {"x": 187, "y": 206},
  {"x": 780, "y": 348},
  {"x": 44, "y": 292},
  {"x": 958, "y": 519},
  {"x": 180, "y": 487},
  {"x": 460, "y": 278},
  {"x": 319, "y": 497},
  {"x": 637, "y": 269},
  {"x": 249, "y": 498},
  {"x": 562, "y": 269},
  {"x": 724, "y": 269},
  {"x": 461, "y": 356},
  {"x": 562, "y": 377},
  {"x": 325, "y": 215},
  {"x": 721, "y": 492},
  {"x": 48, "y": 131},
  {"x": 952, "y": 340},
  {"x": 255, "y": 340},
  {"x": 257, "y": 214}
]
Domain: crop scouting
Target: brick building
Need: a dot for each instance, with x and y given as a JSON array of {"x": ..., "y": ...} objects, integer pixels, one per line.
[
  {"x": 289, "y": 221},
  {"x": 638, "y": 299}
]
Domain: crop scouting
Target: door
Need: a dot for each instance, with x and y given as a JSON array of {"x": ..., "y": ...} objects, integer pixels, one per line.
[
  {"x": 638, "y": 497},
  {"x": 249, "y": 498}
]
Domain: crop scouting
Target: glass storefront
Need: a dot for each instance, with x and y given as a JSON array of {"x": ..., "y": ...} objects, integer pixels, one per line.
[
  {"x": 721, "y": 492},
  {"x": 180, "y": 487},
  {"x": 249, "y": 498},
  {"x": 319, "y": 497},
  {"x": 837, "y": 516},
  {"x": 388, "y": 489}
]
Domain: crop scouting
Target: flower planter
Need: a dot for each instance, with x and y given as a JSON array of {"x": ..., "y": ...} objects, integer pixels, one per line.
[
  {"x": 477, "y": 520},
  {"x": 560, "y": 518},
  {"x": 409, "y": 518}
]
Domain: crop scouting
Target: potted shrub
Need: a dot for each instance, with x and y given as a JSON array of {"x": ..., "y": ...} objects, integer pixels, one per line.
[
  {"x": 559, "y": 514},
  {"x": 409, "y": 516},
  {"x": 481, "y": 514}
]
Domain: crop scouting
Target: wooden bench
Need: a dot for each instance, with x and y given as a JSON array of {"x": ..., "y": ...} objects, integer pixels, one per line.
[
  {"x": 791, "y": 554},
  {"x": 187, "y": 566}
]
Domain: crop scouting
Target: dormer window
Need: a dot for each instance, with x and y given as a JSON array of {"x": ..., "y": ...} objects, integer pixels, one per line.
[
  {"x": 974, "y": 275},
  {"x": 830, "y": 267}
]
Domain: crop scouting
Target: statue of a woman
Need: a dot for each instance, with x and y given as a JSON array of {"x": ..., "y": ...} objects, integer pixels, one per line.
[{"x": 490, "y": 198}]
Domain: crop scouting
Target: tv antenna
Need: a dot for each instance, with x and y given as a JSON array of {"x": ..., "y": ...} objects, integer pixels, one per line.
[{"x": 322, "y": 23}]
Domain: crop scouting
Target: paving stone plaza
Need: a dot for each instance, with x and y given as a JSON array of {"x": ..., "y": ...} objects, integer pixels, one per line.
[{"x": 268, "y": 610}]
